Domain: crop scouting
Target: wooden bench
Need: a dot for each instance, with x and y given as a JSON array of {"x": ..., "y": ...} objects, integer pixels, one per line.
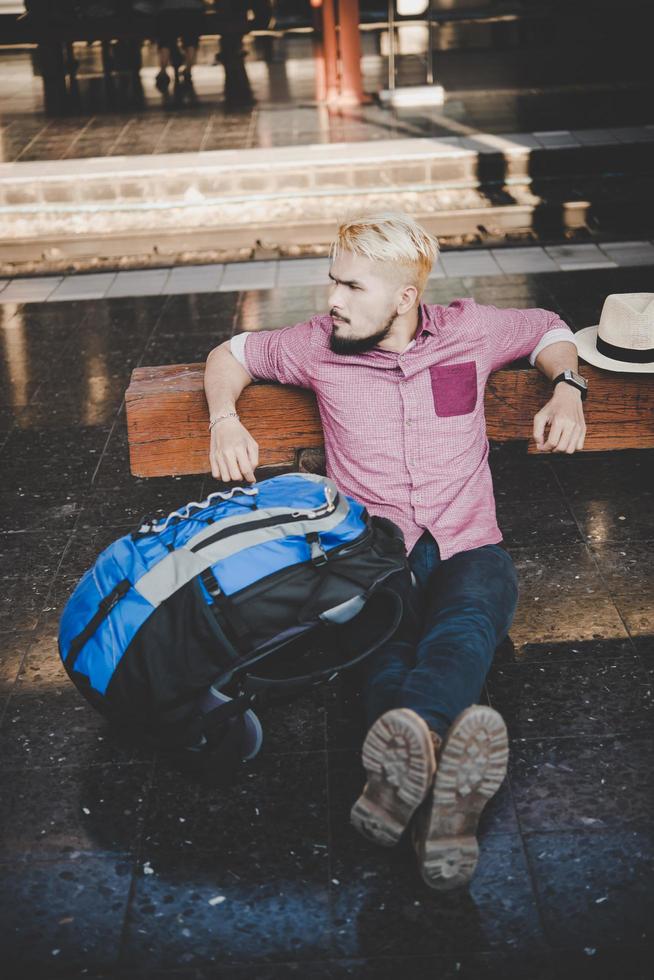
[{"x": 167, "y": 416}]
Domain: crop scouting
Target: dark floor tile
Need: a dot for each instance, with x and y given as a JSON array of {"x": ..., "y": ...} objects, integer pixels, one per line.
[
  {"x": 381, "y": 907},
  {"x": 85, "y": 545},
  {"x": 63, "y": 918},
  {"x": 566, "y": 698},
  {"x": 512, "y": 292},
  {"x": 106, "y": 508},
  {"x": 637, "y": 611},
  {"x": 99, "y": 808},
  {"x": 644, "y": 645},
  {"x": 595, "y": 476},
  {"x": 185, "y": 348},
  {"x": 546, "y": 571},
  {"x": 550, "y": 651},
  {"x": 295, "y": 727},
  {"x": 59, "y": 405},
  {"x": 594, "y": 888},
  {"x": 134, "y": 309},
  {"x": 622, "y": 518},
  {"x": 59, "y": 728},
  {"x": 345, "y": 718},
  {"x": 581, "y": 783},
  {"x": 13, "y": 648},
  {"x": 554, "y": 524},
  {"x": 624, "y": 961},
  {"x": 42, "y": 671},
  {"x": 181, "y": 311},
  {"x": 192, "y": 911},
  {"x": 7, "y": 421},
  {"x": 21, "y": 602},
  {"x": 198, "y": 313},
  {"x": 271, "y": 823},
  {"x": 23, "y": 510},
  {"x": 625, "y": 568},
  {"x": 518, "y": 475},
  {"x": 546, "y": 619},
  {"x": 93, "y": 403},
  {"x": 59, "y": 459},
  {"x": 32, "y": 556}
]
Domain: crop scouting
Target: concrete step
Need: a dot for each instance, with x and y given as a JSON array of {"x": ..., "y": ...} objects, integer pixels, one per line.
[{"x": 291, "y": 196}]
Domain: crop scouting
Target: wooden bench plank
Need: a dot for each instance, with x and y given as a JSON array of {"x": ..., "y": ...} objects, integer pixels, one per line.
[{"x": 167, "y": 416}]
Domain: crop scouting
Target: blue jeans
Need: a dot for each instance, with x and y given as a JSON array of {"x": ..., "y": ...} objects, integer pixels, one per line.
[{"x": 437, "y": 661}]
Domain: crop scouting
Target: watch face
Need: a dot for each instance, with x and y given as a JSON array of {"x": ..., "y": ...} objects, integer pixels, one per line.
[{"x": 576, "y": 377}]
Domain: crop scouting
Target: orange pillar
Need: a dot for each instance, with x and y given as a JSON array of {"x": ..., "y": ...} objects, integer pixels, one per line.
[
  {"x": 318, "y": 51},
  {"x": 330, "y": 50},
  {"x": 350, "y": 44}
]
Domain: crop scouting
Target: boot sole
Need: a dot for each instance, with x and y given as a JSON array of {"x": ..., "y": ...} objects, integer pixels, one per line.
[
  {"x": 471, "y": 769},
  {"x": 399, "y": 761}
]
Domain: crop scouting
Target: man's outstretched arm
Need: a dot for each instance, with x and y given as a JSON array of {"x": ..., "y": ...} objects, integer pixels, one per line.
[
  {"x": 233, "y": 453},
  {"x": 564, "y": 411}
]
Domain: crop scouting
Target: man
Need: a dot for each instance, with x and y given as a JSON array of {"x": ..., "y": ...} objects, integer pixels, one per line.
[{"x": 400, "y": 389}]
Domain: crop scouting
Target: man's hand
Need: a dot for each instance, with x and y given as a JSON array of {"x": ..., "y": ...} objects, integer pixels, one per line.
[
  {"x": 565, "y": 415},
  {"x": 234, "y": 454}
]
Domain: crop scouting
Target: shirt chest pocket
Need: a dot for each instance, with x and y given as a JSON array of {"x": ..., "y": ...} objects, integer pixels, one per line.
[{"x": 454, "y": 388}]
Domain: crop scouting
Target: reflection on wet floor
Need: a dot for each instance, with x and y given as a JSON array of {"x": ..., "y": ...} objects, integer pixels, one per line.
[
  {"x": 488, "y": 91},
  {"x": 115, "y": 865}
]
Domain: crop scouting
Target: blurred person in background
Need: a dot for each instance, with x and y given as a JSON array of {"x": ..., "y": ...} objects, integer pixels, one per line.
[{"x": 178, "y": 19}]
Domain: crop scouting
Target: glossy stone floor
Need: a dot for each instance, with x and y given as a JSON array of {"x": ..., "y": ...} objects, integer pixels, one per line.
[
  {"x": 114, "y": 864},
  {"x": 496, "y": 91}
]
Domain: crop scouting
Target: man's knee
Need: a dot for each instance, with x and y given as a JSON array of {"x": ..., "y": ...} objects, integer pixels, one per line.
[{"x": 479, "y": 593}]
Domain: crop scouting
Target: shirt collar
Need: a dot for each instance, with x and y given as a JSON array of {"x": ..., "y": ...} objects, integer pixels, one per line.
[{"x": 425, "y": 322}]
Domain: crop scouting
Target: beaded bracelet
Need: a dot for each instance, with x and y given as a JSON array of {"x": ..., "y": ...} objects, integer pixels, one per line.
[{"x": 212, "y": 422}]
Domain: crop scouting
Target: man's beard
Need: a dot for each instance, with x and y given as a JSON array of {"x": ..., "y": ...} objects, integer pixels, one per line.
[{"x": 358, "y": 345}]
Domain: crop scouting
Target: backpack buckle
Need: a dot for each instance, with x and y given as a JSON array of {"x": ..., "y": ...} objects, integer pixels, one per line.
[{"x": 318, "y": 556}]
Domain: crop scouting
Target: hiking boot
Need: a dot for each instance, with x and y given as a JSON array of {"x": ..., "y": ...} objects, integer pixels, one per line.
[
  {"x": 398, "y": 755},
  {"x": 162, "y": 81},
  {"x": 471, "y": 767}
]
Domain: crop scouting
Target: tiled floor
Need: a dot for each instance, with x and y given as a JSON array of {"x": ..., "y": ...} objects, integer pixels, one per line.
[
  {"x": 282, "y": 273},
  {"x": 113, "y": 864}
]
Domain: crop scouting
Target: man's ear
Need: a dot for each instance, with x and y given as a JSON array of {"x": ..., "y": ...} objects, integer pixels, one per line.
[{"x": 408, "y": 298}]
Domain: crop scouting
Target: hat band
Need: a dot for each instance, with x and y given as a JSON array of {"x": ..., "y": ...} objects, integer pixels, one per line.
[{"x": 625, "y": 353}]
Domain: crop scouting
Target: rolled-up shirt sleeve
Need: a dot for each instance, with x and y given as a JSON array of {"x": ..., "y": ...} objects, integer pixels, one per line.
[
  {"x": 513, "y": 333},
  {"x": 283, "y": 355}
]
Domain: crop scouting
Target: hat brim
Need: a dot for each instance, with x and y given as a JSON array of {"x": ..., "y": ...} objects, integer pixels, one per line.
[{"x": 586, "y": 346}]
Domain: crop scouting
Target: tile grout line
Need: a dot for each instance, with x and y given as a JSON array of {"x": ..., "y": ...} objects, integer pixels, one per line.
[
  {"x": 77, "y": 138},
  {"x": 32, "y": 141}
]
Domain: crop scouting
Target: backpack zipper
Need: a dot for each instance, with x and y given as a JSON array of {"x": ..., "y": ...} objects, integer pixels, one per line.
[
  {"x": 275, "y": 578},
  {"x": 310, "y": 515}
]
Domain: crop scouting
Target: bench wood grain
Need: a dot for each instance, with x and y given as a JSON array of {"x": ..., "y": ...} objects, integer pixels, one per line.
[{"x": 167, "y": 416}]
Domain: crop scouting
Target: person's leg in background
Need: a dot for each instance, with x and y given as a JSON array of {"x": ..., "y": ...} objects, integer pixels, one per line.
[{"x": 190, "y": 43}]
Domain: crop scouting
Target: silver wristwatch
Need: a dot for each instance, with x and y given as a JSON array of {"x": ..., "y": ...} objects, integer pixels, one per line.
[{"x": 572, "y": 378}]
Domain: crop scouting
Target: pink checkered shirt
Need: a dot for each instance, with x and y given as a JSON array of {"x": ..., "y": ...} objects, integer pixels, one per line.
[{"x": 405, "y": 433}]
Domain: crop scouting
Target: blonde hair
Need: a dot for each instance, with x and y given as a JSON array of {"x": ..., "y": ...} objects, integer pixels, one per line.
[{"x": 393, "y": 237}]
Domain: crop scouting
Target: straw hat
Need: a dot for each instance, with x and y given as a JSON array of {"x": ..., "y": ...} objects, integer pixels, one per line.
[{"x": 624, "y": 338}]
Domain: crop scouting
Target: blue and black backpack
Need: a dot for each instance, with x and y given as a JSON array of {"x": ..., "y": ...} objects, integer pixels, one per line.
[{"x": 233, "y": 592}]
